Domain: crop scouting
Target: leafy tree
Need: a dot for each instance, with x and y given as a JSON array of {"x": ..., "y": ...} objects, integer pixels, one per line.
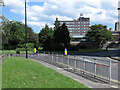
[
  {"x": 61, "y": 35},
  {"x": 44, "y": 34},
  {"x": 57, "y": 24},
  {"x": 98, "y": 35},
  {"x": 14, "y": 34}
]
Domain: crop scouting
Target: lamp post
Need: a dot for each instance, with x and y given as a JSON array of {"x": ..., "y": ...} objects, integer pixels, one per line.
[{"x": 26, "y": 30}]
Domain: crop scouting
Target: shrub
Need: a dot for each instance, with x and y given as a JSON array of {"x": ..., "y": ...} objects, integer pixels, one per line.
[
  {"x": 72, "y": 48},
  {"x": 53, "y": 47},
  {"x": 85, "y": 45},
  {"x": 30, "y": 47}
]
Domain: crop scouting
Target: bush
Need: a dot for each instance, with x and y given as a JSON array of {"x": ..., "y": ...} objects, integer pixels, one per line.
[
  {"x": 85, "y": 45},
  {"x": 72, "y": 48},
  {"x": 53, "y": 47},
  {"x": 30, "y": 47}
]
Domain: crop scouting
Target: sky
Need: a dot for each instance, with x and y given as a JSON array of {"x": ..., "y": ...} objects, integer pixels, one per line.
[{"x": 41, "y": 12}]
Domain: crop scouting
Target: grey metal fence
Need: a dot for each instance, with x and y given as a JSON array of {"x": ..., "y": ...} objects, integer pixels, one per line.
[
  {"x": 96, "y": 67},
  {"x": 3, "y": 57}
]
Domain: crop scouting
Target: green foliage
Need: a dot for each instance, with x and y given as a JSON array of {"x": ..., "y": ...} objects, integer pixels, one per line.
[
  {"x": 57, "y": 24},
  {"x": 98, "y": 35},
  {"x": 14, "y": 34},
  {"x": 53, "y": 47},
  {"x": 72, "y": 48},
  {"x": 30, "y": 47},
  {"x": 61, "y": 35},
  {"x": 44, "y": 34}
]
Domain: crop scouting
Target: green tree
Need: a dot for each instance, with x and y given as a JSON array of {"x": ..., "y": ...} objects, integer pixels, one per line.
[
  {"x": 14, "y": 34},
  {"x": 99, "y": 35},
  {"x": 57, "y": 24},
  {"x": 61, "y": 35},
  {"x": 44, "y": 34}
]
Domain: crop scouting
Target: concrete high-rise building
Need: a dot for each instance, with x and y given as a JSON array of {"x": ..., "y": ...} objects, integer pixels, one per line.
[
  {"x": 116, "y": 26},
  {"x": 77, "y": 28},
  {"x": 119, "y": 15}
]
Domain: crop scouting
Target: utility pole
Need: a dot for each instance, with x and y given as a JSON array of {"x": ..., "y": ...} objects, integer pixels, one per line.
[
  {"x": 26, "y": 29},
  {"x": 1, "y": 4},
  {"x": 119, "y": 18}
]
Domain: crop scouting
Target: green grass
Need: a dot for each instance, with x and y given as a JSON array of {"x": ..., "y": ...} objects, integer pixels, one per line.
[
  {"x": 19, "y": 72},
  {"x": 0, "y": 77},
  {"x": 14, "y": 52}
]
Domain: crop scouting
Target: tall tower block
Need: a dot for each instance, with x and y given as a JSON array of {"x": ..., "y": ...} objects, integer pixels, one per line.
[
  {"x": 117, "y": 26},
  {"x": 119, "y": 14}
]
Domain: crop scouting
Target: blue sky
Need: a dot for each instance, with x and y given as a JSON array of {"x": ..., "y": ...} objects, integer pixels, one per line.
[{"x": 44, "y": 12}]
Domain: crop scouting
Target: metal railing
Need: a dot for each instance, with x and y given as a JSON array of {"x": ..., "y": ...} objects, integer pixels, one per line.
[
  {"x": 3, "y": 57},
  {"x": 97, "y": 68}
]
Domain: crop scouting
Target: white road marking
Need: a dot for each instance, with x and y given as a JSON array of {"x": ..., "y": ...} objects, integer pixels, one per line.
[{"x": 114, "y": 86}]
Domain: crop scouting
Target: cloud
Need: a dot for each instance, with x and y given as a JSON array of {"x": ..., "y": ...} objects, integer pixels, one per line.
[{"x": 99, "y": 11}]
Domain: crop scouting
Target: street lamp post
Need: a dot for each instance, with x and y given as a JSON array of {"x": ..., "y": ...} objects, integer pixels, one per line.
[
  {"x": 119, "y": 19},
  {"x": 26, "y": 29}
]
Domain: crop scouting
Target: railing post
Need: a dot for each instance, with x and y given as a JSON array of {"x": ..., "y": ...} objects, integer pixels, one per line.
[
  {"x": 44, "y": 55},
  {"x": 75, "y": 61},
  {"x": 9, "y": 55},
  {"x": 52, "y": 57},
  {"x": 38, "y": 54},
  {"x": 94, "y": 67},
  {"x": 68, "y": 60},
  {"x": 61, "y": 58},
  {"x": 110, "y": 71},
  {"x": 83, "y": 64},
  {"x": 56, "y": 57},
  {"x": 48, "y": 56}
]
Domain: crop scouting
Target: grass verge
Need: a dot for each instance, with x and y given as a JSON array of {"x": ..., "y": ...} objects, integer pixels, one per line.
[
  {"x": 0, "y": 77},
  {"x": 14, "y": 52},
  {"x": 19, "y": 72}
]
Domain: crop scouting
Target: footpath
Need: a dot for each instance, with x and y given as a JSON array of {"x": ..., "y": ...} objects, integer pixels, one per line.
[{"x": 85, "y": 81}]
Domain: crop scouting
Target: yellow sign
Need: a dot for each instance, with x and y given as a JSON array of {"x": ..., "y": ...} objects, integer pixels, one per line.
[
  {"x": 65, "y": 51},
  {"x": 34, "y": 50}
]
